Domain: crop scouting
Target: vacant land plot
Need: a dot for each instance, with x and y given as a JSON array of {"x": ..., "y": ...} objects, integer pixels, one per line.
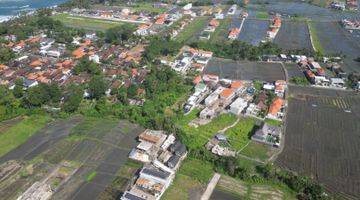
[
  {"x": 197, "y": 137},
  {"x": 322, "y": 138},
  {"x": 293, "y": 35},
  {"x": 335, "y": 40},
  {"x": 240, "y": 134},
  {"x": 245, "y": 70},
  {"x": 190, "y": 180},
  {"x": 293, "y": 70},
  {"x": 257, "y": 151},
  {"x": 102, "y": 147},
  {"x": 86, "y": 23},
  {"x": 253, "y": 30},
  {"x": 192, "y": 30},
  {"x": 230, "y": 188},
  {"x": 19, "y": 133}
]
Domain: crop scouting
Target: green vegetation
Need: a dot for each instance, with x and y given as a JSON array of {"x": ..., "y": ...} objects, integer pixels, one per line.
[
  {"x": 240, "y": 134},
  {"x": 221, "y": 32},
  {"x": 141, "y": 6},
  {"x": 6, "y": 54},
  {"x": 273, "y": 122},
  {"x": 247, "y": 190},
  {"x": 22, "y": 131},
  {"x": 86, "y": 22},
  {"x": 120, "y": 34},
  {"x": 193, "y": 174},
  {"x": 197, "y": 137},
  {"x": 91, "y": 176},
  {"x": 262, "y": 15},
  {"x": 299, "y": 80},
  {"x": 315, "y": 38},
  {"x": 191, "y": 29},
  {"x": 256, "y": 151}
]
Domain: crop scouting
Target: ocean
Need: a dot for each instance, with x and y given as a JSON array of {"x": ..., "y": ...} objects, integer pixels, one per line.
[{"x": 9, "y": 8}]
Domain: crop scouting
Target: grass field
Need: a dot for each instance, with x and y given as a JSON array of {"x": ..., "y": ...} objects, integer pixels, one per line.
[
  {"x": 314, "y": 37},
  {"x": 192, "y": 175},
  {"x": 197, "y": 137},
  {"x": 254, "y": 191},
  {"x": 191, "y": 29},
  {"x": 240, "y": 134},
  {"x": 256, "y": 151},
  {"x": 142, "y": 6},
  {"x": 262, "y": 15},
  {"x": 86, "y": 23},
  {"x": 20, "y": 132}
]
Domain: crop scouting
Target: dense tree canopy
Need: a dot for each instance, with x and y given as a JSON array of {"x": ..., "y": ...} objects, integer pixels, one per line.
[{"x": 119, "y": 34}]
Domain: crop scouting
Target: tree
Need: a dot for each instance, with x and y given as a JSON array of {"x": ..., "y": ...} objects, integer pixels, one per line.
[
  {"x": 122, "y": 95},
  {"x": 37, "y": 96},
  {"x": 6, "y": 54},
  {"x": 86, "y": 66},
  {"x": 119, "y": 34},
  {"x": 72, "y": 98},
  {"x": 97, "y": 87},
  {"x": 19, "y": 88}
]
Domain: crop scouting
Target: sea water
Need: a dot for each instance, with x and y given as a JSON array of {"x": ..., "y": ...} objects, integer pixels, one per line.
[{"x": 10, "y": 8}]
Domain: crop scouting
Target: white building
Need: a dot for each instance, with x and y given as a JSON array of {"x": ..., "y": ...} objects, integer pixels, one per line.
[{"x": 238, "y": 106}]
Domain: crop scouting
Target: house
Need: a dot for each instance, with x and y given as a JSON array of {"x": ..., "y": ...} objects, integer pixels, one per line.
[
  {"x": 207, "y": 113},
  {"x": 233, "y": 34},
  {"x": 30, "y": 83},
  {"x": 197, "y": 80},
  {"x": 275, "y": 109},
  {"x": 178, "y": 148},
  {"x": 268, "y": 134},
  {"x": 238, "y": 106},
  {"x": 211, "y": 99},
  {"x": 227, "y": 94},
  {"x": 337, "y": 82},
  {"x": 155, "y": 137}
]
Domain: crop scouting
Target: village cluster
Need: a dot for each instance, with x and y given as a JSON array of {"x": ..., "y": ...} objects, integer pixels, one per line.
[
  {"x": 161, "y": 154},
  {"x": 42, "y": 60},
  {"x": 343, "y": 5},
  {"x": 214, "y": 96}
]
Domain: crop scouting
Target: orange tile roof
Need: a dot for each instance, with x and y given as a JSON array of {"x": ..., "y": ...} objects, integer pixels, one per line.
[
  {"x": 78, "y": 53},
  {"x": 32, "y": 76},
  {"x": 276, "y": 106},
  {"x": 35, "y": 63},
  {"x": 3, "y": 67},
  {"x": 226, "y": 93},
  {"x": 86, "y": 43},
  {"x": 234, "y": 32},
  {"x": 214, "y": 22},
  {"x": 197, "y": 80},
  {"x": 33, "y": 40},
  {"x": 236, "y": 84}
]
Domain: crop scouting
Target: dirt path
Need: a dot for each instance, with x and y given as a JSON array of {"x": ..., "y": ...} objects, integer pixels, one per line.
[{"x": 228, "y": 127}]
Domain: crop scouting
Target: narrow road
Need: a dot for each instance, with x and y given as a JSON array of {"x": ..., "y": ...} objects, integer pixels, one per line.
[{"x": 211, "y": 186}]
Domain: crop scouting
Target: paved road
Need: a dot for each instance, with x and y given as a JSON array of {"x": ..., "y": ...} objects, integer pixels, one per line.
[{"x": 211, "y": 186}]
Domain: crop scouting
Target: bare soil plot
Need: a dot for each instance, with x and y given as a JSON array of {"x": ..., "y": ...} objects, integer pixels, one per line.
[
  {"x": 322, "y": 138},
  {"x": 293, "y": 70},
  {"x": 245, "y": 70},
  {"x": 42, "y": 141},
  {"x": 253, "y": 30},
  {"x": 102, "y": 146},
  {"x": 293, "y": 35},
  {"x": 335, "y": 40}
]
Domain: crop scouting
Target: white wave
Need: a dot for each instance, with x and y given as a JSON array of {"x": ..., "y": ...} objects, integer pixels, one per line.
[{"x": 4, "y": 18}]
